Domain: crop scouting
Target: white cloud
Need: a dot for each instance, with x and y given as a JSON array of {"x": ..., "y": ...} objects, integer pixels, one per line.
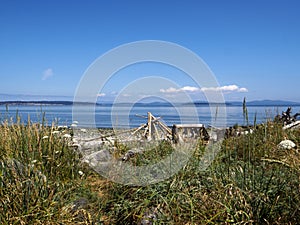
[
  {"x": 174, "y": 90},
  {"x": 47, "y": 73},
  {"x": 226, "y": 88},
  {"x": 189, "y": 88},
  {"x": 169, "y": 90},
  {"x": 243, "y": 90},
  {"x": 101, "y": 95}
]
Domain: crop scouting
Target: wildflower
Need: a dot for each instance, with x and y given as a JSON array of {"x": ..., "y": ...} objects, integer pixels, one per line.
[
  {"x": 67, "y": 136},
  {"x": 42, "y": 176},
  {"x": 80, "y": 172},
  {"x": 76, "y": 146},
  {"x": 62, "y": 127},
  {"x": 45, "y": 137},
  {"x": 33, "y": 161}
]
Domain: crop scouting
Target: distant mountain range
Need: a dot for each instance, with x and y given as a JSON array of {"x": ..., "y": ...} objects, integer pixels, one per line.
[
  {"x": 272, "y": 103},
  {"x": 20, "y": 97},
  {"x": 153, "y": 104},
  {"x": 68, "y": 100}
]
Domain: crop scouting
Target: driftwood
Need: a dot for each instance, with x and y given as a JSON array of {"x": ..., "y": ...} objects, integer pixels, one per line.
[
  {"x": 183, "y": 132},
  {"x": 286, "y": 117},
  {"x": 293, "y": 125},
  {"x": 154, "y": 129},
  {"x": 238, "y": 131}
]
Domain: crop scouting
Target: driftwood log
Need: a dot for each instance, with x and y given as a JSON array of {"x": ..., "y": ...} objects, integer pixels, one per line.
[
  {"x": 181, "y": 132},
  {"x": 286, "y": 117}
]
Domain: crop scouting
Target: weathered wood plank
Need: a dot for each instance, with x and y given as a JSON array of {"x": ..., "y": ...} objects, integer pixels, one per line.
[{"x": 198, "y": 125}]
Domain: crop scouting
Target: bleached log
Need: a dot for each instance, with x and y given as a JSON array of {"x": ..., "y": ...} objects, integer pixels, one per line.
[
  {"x": 198, "y": 125},
  {"x": 292, "y": 125}
]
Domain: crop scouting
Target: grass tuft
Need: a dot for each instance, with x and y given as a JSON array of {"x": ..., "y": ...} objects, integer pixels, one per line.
[{"x": 42, "y": 181}]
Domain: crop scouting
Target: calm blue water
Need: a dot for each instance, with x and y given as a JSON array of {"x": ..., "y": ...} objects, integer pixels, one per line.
[{"x": 62, "y": 114}]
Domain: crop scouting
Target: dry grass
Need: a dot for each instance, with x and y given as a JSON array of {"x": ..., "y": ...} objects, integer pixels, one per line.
[
  {"x": 251, "y": 181},
  {"x": 39, "y": 177}
]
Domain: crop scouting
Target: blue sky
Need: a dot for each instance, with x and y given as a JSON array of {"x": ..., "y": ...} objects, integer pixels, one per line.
[{"x": 252, "y": 47}]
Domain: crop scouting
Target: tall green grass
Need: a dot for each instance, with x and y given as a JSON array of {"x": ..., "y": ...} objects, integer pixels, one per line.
[
  {"x": 39, "y": 176},
  {"x": 251, "y": 181}
]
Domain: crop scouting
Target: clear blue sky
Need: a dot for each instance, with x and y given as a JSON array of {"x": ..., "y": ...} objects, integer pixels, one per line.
[{"x": 45, "y": 46}]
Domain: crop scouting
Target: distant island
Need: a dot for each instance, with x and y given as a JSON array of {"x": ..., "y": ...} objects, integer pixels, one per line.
[{"x": 157, "y": 104}]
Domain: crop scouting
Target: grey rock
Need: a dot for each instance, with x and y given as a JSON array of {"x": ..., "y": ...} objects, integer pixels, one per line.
[
  {"x": 79, "y": 204},
  {"x": 131, "y": 153},
  {"x": 286, "y": 144},
  {"x": 96, "y": 157}
]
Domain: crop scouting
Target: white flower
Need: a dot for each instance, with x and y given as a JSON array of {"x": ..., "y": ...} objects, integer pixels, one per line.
[
  {"x": 76, "y": 145},
  {"x": 33, "y": 161},
  {"x": 62, "y": 127},
  {"x": 67, "y": 136},
  {"x": 86, "y": 161},
  {"x": 45, "y": 137},
  {"x": 80, "y": 172}
]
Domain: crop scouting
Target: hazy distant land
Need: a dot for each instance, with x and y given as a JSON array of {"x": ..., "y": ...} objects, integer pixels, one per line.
[{"x": 155, "y": 104}]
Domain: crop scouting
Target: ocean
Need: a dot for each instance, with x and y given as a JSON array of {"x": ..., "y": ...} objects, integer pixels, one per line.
[{"x": 105, "y": 117}]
